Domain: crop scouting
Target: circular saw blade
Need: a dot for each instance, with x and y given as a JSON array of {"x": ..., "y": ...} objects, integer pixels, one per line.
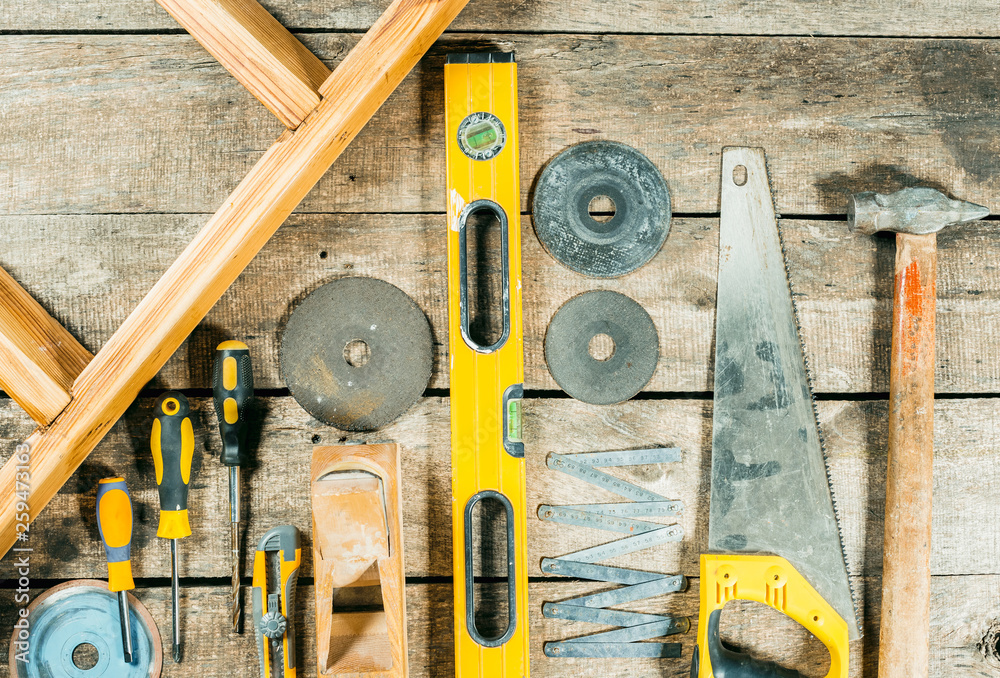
[
  {"x": 629, "y": 367},
  {"x": 361, "y": 396},
  {"x": 562, "y": 217},
  {"x": 86, "y": 612}
]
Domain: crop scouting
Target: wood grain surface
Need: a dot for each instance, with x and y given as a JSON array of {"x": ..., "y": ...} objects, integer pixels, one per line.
[
  {"x": 904, "y": 18},
  {"x": 89, "y": 271},
  {"x": 958, "y": 625},
  {"x": 834, "y": 114},
  {"x": 120, "y": 136},
  {"x": 277, "y": 483}
]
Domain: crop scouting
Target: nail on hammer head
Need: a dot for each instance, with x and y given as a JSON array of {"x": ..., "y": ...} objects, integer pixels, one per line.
[{"x": 918, "y": 211}]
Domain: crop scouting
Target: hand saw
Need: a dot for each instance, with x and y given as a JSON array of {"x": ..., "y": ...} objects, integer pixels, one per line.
[
  {"x": 488, "y": 472},
  {"x": 273, "y": 601},
  {"x": 773, "y": 535}
]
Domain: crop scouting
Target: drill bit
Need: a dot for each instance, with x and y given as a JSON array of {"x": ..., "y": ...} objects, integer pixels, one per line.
[{"x": 234, "y": 521}]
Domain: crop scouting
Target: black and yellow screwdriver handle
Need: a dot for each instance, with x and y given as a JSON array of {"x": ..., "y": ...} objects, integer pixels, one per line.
[
  {"x": 114, "y": 522},
  {"x": 232, "y": 388},
  {"x": 172, "y": 443}
]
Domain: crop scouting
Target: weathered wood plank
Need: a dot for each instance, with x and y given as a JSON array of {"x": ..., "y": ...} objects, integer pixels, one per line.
[
  {"x": 959, "y": 624},
  {"x": 838, "y": 115},
  {"x": 851, "y": 17},
  {"x": 277, "y": 483},
  {"x": 91, "y": 271}
]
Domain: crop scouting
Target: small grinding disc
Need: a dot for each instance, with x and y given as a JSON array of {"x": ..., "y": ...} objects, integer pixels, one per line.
[
  {"x": 318, "y": 343},
  {"x": 84, "y": 612},
  {"x": 641, "y": 218},
  {"x": 630, "y": 366}
]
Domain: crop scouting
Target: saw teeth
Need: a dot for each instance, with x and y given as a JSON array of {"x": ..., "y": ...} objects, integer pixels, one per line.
[{"x": 812, "y": 398}]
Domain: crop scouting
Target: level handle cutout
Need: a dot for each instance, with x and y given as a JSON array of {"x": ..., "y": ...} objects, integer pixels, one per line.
[
  {"x": 491, "y": 603},
  {"x": 484, "y": 286}
]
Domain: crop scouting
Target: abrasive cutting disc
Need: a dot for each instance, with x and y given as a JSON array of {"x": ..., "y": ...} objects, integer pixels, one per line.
[
  {"x": 84, "y": 612},
  {"x": 628, "y": 239},
  {"x": 630, "y": 366},
  {"x": 317, "y": 346}
]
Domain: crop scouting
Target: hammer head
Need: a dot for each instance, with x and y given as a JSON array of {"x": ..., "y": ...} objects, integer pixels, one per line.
[{"x": 917, "y": 211}]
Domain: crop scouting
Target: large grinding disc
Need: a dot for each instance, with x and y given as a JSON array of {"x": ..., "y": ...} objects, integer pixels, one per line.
[
  {"x": 630, "y": 366},
  {"x": 315, "y": 351},
  {"x": 641, "y": 218},
  {"x": 84, "y": 612}
]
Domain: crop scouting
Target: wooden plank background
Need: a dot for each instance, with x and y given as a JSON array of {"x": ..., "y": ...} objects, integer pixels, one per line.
[{"x": 120, "y": 135}]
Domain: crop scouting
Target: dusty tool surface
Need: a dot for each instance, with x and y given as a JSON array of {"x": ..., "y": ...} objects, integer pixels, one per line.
[{"x": 122, "y": 136}]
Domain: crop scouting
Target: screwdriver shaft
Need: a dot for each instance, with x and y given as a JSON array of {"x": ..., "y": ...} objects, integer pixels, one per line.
[
  {"x": 234, "y": 519},
  {"x": 123, "y": 613},
  {"x": 175, "y": 594}
]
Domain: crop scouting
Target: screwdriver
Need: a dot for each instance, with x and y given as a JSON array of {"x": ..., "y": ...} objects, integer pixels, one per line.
[
  {"x": 172, "y": 443},
  {"x": 114, "y": 522},
  {"x": 232, "y": 387}
]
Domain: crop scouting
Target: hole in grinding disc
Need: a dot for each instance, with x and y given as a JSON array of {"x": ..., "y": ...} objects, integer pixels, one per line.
[
  {"x": 601, "y": 209},
  {"x": 601, "y": 347},
  {"x": 357, "y": 353},
  {"x": 85, "y": 656},
  {"x": 740, "y": 175}
]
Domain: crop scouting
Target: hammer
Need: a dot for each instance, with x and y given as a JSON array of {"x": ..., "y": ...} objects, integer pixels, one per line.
[{"x": 915, "y": 215}]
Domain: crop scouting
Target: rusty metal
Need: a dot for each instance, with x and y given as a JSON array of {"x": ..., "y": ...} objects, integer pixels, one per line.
[{"x": 916, "y": 215}]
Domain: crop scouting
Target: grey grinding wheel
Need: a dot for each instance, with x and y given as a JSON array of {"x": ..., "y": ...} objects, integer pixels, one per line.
[
  {"x": 315, "y": 352},
  {"x": 562, "y": 219},
  {"x": 630, "y": 366}
]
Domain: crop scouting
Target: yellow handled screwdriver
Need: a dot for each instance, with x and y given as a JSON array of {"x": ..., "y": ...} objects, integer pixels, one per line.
[
  {"x": 232, "y": 388},
  {"x": 172, "y": 443},
  {"x": 114, "y": 522}
]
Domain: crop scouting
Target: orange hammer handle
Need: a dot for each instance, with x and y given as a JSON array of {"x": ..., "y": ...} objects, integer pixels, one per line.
[{"x": 906, "y": 578}]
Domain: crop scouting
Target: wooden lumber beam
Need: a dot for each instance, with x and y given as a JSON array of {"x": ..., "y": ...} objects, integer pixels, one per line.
[
  {"x": 39, "y": 358},
  {"x": 223, "y": 248},
  {"x": 270, "y": 62}
]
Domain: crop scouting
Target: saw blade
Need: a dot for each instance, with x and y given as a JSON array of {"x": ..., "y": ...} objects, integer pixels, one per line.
[
  {"x": 84, "y": 612},
  {"x": 770, "y": 491}
]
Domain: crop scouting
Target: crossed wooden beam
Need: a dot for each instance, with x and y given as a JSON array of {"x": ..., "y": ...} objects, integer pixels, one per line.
[{"x": 76, "y": 397}]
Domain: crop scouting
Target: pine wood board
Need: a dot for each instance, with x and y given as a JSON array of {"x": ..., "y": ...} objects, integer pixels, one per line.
[
  {"x": 851, "y": 17},
  {"x": 959, "y": 625},
  {"x": 169, "y": 130},
  {"x": 277, "y": 483},
  {"x": 90, "y": 271}
]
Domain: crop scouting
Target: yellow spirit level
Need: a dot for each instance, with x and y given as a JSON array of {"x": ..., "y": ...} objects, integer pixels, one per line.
[{"x": 487, "y": 457}]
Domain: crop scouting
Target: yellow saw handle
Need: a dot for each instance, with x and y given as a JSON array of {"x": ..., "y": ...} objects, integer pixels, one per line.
[{"x": 773, "y": 581}]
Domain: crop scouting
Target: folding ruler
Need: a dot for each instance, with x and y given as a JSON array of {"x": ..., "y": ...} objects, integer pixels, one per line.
[
  {"x": 621, "y": 518},
  {"x": 486, "y": 380}
]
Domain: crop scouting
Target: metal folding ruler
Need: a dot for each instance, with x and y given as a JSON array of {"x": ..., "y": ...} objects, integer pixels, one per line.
[
  {"x": 488, "y": 469},
  {"x": 621, "y": 518}
]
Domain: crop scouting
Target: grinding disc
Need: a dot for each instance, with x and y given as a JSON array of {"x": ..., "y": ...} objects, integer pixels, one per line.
[
  {"x": 630, "y": 366},
  {"x": 85, "y": 612},
  {"x": 620, "y": 245},
  {"x": 366, "y": 395}
]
